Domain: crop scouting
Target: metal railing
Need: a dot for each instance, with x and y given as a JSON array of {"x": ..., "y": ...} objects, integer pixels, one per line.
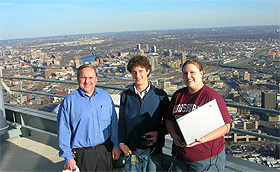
[{"x": 251, "y": 108}]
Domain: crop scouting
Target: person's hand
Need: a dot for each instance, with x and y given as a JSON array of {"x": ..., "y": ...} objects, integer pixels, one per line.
[
  {"x": 116, "y": 153},
  {"x": 125, "y": 149},
  {"x": 70, "y": 165},
  {"x": 177, "y": 140},
  {"x": 197, "y": 142},
  {"x": 153, "y": 138}
]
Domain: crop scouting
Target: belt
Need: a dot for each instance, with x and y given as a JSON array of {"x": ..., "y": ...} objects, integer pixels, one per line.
[{"x": 96, "y": 146}]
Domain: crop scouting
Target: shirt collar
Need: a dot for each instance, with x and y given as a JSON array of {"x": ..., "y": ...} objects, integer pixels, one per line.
[
  {"x": 85, "y": 95},
  {"x": 143, "y": 93}
]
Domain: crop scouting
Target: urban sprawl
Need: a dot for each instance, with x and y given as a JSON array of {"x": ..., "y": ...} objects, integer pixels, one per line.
[{"x": 242, "y": 64}]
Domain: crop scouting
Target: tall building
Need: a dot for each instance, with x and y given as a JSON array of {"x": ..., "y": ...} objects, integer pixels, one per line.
[
  {"x": 219, "y": 52},
  {"x": 269, "y": 99},
  {"x": 169, "y": 53},
  {"x": 236, "y": 75},
  {"x": 119, "y": 53},
  {"x": 138, "y": 47},
  {"x": 246, "y": 76},
  {"x": 77, "y": 64},
  {"x": 183, "y": 57},
  {"x": 147, "y": 47},
  {"x": 154, "y": 49},
  {"x": 153, "y": 61}
]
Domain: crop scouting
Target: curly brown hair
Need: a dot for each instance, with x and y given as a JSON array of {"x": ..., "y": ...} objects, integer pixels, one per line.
[{"x": 139, "y": 61}]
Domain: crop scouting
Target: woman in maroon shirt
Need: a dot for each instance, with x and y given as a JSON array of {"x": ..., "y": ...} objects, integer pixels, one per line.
[{"x": 206, "y": 153}]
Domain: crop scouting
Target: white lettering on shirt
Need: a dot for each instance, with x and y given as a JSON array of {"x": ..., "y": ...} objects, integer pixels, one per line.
[{"x": 182, "y": 109}]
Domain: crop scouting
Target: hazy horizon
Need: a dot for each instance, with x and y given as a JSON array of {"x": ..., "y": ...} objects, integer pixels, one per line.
[{"x": 36, "y": 18}]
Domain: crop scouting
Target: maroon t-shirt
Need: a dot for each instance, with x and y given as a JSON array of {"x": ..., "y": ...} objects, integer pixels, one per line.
[{"x": 183, "y": 102}]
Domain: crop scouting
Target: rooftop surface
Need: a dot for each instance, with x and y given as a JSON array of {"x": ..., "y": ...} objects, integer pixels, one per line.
[{"x": 39, "y": 152}]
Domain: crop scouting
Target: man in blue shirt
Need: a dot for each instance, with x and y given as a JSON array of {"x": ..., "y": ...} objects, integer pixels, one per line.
[
  {"x": 142, "y": 119},
  {"x": 87, "y": 125}
]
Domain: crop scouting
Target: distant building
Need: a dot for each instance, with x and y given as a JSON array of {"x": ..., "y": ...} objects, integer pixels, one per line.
[
  {"x": 119, "y": 53},
  {"x": 236, "y": 75},
  {"x": 174, "y": 64},
  {"x": 214, "y": 78},
  {"x": 244, "y": 122},
  {"x": 154, "y": 49},
  {"x": 56, "y": 56},
  {"x": 219, "y": 51},
  {"x": 166, "y": 84},
  {"x": 153, "y": 61},
  {"x": 77, "y": 64},
  {"x": 138, "y": 47},
  {"x": 246, "y": 76},
  {"x": 169, "y": 53},
  {"x": 183, "y": 57},
  {"x": 147, "y": 47},
  {"x": 48, "y": 73},
  {"x": 268, "y": 99}
]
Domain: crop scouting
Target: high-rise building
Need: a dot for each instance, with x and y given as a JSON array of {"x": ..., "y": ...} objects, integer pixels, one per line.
[
  {"x": 154, "y": 49},
  {"x": 183, "y": 57},
  {"x": 269, "y": 99},
  {"x": 119, "y": 53},
  {"x": 236, "y": 75},
  {"x": 219, "y": 51},
  {"x": 153, "y": 61},
  {"x": 138, "y": 47},
  {"x": 246, "y": 76},
  {"x": 77, "y": 63},
  {"x": 147, "y": 47},
  {"x": 169, "y": 53}
]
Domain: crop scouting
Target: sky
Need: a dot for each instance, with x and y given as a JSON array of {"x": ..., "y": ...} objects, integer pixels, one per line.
[{"x": 41, "y": 18}]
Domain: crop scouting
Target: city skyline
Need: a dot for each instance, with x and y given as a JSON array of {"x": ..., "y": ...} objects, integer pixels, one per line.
[{"x": 30, "y": 19}]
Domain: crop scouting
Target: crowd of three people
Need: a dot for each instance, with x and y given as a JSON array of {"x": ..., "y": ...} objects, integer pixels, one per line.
[{"x": 91, "y": 136}]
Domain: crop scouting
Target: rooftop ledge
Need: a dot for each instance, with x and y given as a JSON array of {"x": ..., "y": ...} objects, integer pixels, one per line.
[{"x": 38, "y": 149}]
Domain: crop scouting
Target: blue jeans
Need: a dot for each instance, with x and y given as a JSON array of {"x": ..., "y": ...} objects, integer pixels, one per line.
[
  {"x": 216, "y": 163},
  {"x": 143, "y": 163}
]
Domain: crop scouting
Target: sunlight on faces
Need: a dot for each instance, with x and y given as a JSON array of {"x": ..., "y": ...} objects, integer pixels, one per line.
[
  {"x": 87, "y": 80},
  {"x": 192, "y": 77},
  {"x": 140, "y": 75}
]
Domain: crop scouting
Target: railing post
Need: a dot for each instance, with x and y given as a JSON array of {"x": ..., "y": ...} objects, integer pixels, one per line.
[
  {"x": 3, "y": 123},
  {"x": 20, "y": 88}
]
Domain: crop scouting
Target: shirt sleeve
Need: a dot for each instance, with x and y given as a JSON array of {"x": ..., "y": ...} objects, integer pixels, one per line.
[
  {"x": 64, "y": 132},
  {"x": 223, "y": 107},
  {"x": 224, "y": 110}
]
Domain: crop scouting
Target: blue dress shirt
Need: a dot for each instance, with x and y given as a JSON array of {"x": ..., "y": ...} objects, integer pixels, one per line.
[{"x": 84, "y": 121}]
